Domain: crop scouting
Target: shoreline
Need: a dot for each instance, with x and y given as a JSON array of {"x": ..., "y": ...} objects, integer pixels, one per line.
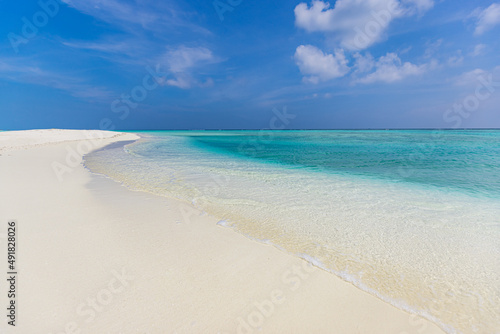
[{"x": 181, "y": 275}]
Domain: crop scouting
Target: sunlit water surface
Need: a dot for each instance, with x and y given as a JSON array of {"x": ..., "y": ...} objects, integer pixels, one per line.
[{"x": 412, "y": 217}]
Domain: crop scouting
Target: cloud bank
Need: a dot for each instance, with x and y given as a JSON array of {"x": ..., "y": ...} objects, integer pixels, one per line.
[{"x": 356, "y": 24}]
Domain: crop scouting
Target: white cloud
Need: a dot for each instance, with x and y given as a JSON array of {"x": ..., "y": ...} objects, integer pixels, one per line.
[
  {"x": 456, "y": 59},
  {"x": 478, "y": 50},
  {"x": 357, "y": 24},
  {"x": 390, "y": 68},
  {"x": 113, "y": 11},
  {"x": 420, "y": 6},
  {"x": 432, "y": 48},
  {"x": 470, "y": 78},
  {"x": 488, "y": 19},
  {"x": 104, "y": 46},
  {"x": 316, "y": 66},
  {"x": 184, "y": 57},
  {"x": 148, "y": 15},
  {"x": 15, "y": 70},
  {"x": 182, "y": 61},
  {"x": 364, "y": 63}
]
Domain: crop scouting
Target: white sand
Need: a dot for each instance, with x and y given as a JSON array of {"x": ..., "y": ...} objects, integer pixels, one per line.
[
  {"x": 184, "y": 274},
  {"x": 15, "y": 140}
]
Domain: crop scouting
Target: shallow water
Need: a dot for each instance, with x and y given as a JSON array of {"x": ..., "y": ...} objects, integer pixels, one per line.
[{"x": 410, "y": 216}]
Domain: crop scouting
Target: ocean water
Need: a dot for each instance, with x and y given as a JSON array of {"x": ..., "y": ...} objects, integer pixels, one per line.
[{"x": 412, "y": 217}]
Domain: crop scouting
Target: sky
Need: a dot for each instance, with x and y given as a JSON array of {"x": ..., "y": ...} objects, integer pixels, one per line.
[{"x": 241, "y": 64}]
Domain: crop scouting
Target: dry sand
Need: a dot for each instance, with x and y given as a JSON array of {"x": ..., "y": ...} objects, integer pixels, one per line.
[{"x": 96, "y": 257}]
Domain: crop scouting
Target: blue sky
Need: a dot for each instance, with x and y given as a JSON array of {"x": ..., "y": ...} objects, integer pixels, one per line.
[{"x": 144, "y": 64}]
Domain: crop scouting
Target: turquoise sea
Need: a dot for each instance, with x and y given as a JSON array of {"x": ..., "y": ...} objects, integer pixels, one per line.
[{"x": 411, "y": 216}]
